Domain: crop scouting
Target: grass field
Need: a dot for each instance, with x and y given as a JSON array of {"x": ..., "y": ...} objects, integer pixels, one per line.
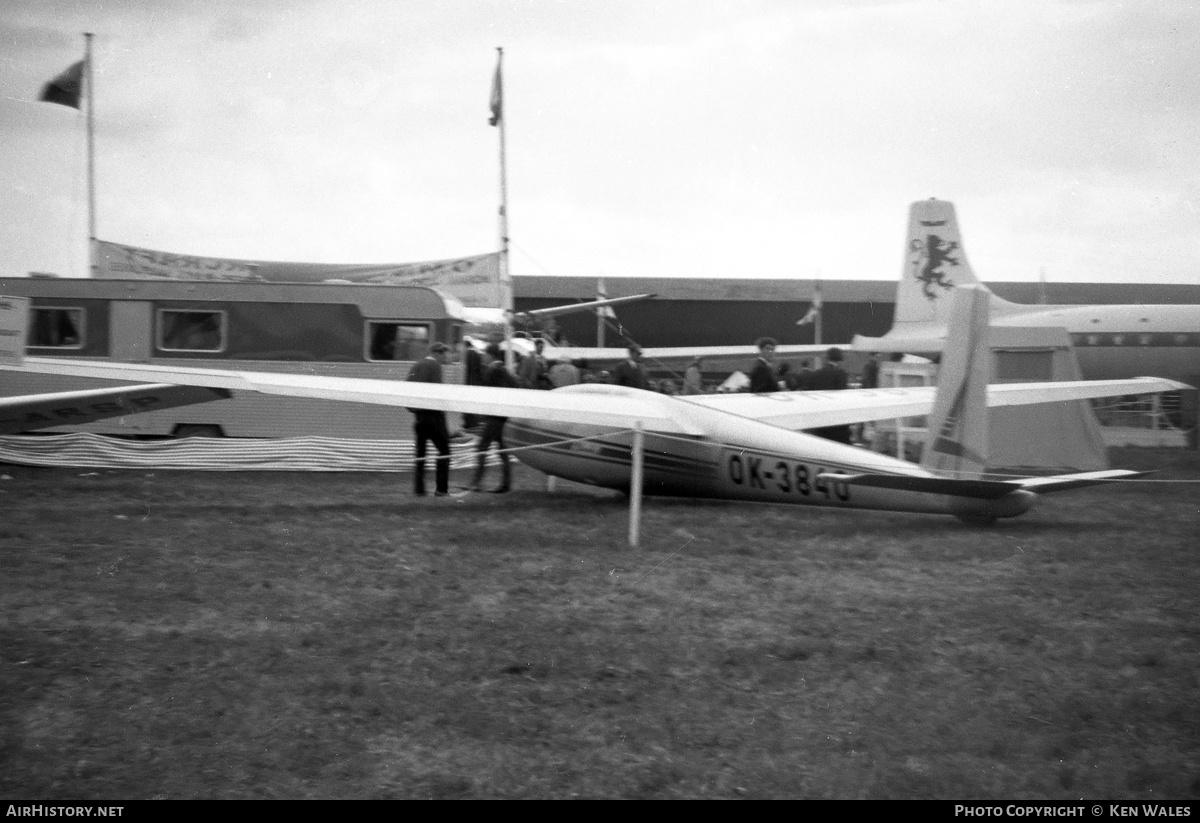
[{"x": 203, "y": 635}]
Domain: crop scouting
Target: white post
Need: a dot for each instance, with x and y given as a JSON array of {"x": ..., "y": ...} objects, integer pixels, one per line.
[{"x": 635, "y": 485}]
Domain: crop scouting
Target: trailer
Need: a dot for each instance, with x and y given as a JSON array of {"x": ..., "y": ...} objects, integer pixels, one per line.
[{"x": 333, "y": 329}]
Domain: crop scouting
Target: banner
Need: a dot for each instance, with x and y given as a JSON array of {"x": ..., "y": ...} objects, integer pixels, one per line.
[
  {"x": 124, "y": 262},
  {"x": 474, "y": 280},
  {"x": 231, "y": 454}
]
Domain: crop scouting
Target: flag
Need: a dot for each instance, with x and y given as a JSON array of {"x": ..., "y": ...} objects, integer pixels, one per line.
[
  {"x": 65, "y": 88},
  {"x": 496, "y": 104},
  {"x": 814, "y": 311}
]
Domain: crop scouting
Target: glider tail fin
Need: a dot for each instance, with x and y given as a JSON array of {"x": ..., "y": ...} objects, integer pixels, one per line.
[{"x": 957, "y": 443}]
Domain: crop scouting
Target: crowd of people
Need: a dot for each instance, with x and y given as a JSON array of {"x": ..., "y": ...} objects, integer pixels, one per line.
[
  {"x": 767, "y": 376},
  {"x": 535, "y": 371}
]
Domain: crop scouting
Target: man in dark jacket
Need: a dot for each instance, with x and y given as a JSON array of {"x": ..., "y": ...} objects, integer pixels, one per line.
[
  {"x": 472, "y": 376},
  {"x": 762, "y": 375},
  {"x": 870, "y": 372},
  {"x": 831, "y": 377},
  {"x": 430, "y": 425},
  {"x": 630, "y": 371},
  {"x": 494, "y": 374}
]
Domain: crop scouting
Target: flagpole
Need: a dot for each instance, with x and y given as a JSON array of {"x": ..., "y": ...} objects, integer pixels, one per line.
[
  {"x": 817, "y": 319},
  {"x": 500, "y": 119},
  {"x": 89, "y": 82},
  {"x": 601, "y": 294}
]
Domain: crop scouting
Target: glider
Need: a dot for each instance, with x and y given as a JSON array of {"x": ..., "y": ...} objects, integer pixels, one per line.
[{"x": 739, "y": 447}]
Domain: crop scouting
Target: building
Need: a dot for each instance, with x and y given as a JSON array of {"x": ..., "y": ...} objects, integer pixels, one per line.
[{"x": 732, "y": 311}]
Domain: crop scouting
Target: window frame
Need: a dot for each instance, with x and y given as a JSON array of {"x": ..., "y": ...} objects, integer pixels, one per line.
[
  {"x": 161, "y": 327},
  {"x": 80, "y": 327},
  {"x": 370, "y": 331}
]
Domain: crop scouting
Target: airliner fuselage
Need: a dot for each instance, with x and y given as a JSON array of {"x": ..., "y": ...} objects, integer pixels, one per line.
[{"x": 1122, "y": 340}]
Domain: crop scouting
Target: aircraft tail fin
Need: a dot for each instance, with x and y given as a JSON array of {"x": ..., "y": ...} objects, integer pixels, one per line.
[
  {"x": 934, "y": 263},
  {"x": 957, "y": 443}
]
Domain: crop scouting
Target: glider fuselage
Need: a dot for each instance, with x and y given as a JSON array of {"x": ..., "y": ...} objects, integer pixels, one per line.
[{"x": 736, "y": 458}]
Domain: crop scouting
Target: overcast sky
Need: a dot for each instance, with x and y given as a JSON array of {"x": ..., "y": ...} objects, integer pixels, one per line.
[{"x": 759, "y": 138}]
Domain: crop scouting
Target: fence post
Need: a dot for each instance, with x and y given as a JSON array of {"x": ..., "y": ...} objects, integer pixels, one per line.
[{"x": 635, "y": 485}]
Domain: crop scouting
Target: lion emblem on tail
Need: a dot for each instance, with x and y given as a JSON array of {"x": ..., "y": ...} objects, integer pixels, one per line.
[{"x": 930, "y": 257}]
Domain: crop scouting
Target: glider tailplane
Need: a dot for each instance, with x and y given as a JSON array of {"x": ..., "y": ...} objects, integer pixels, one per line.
[
  {"x": 957, "y": 443},
  {"x": 1062, "y": 482}
]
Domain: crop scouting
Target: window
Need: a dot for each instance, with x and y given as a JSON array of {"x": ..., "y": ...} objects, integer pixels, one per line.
[
  {"x": 55, "y": 328},
  {"x": 187, "y": 330},
  {"x": 397, "y": 341}
]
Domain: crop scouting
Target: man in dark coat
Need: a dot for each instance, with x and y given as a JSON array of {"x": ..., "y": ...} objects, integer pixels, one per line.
[
  {"x": 762, "y": 375},
  {"x": 494, "y": 374},
  {"x": 472, "y": 376},
  {"x": 870, "y": 372},
  {"x": 831, "y": 377},
  {"x": 430, "y": 425},
  {"x": 630, "y": 371}
]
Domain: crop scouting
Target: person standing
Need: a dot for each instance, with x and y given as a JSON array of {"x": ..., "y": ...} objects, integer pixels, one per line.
[
  {"x": 472, "y": 376},
  {"x": 864, "y": 432},
  {"x": 429, "y": 425},
  {"x": 762, "y": 375},
  {"x": 693, "y": 378},
  {"x": 870, "y": 372},
  {"x": 496, "y": 375},
  {"x": 630, "y": 371},
  {"x": 802, "y": 380},
  {"x": 831, "y": 377},
  {"x": 532, "y": 369}
]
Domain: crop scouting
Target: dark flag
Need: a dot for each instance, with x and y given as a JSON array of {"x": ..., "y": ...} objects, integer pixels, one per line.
[
  {"x": 496, "y": 104},
  {"x": 65, "y": 88}
]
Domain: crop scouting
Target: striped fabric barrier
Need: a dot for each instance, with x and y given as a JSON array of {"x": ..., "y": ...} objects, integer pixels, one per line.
[{"x": 308, "y": 454}]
